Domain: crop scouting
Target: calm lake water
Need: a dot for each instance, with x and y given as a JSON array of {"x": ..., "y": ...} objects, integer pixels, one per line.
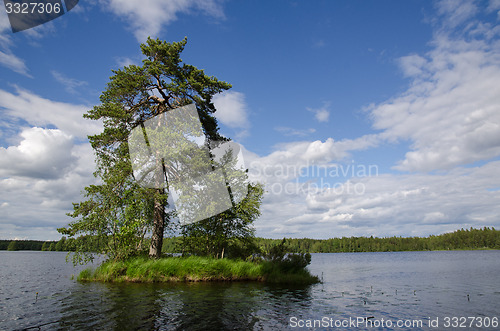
[{"x": 372, "y": 291}]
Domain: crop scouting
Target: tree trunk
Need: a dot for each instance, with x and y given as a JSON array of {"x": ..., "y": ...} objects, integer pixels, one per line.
[{"x": 158, "y": 226}]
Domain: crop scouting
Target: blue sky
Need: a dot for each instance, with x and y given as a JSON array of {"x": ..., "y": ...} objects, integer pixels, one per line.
[{"x": 396, "y": 104}]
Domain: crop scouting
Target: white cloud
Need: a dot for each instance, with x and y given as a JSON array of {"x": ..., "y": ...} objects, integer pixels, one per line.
[
  {"x": 39, "y": 111},
  {"x": 14, "y": 63},
  {"x": 386, "y": 205},
  {"x": 289, "y": 175},
  {"x": 456, "y": 12},
  {"x": 70, "y": 84},
  {"x": 494, "y": 5},
  {"x": 126, "y": 61},
  {"x": 451, "y": 112},
  {"x": 321, "y": 114},
  {"x": 40, "y": 31},
  {"x": 294, "y": 132},
  {"x": 49, "y": 198},
  {"x": 232, "y": 109},
  {"x": 4, "y": 21},
  {"x": 44, "y": 168},
  {"x": 287, "y": 162},
  {"x": 412, "y": 65},
  {"x": 42, "y": 153},
  {"x": 148, "y": 20},
  {"x": 451, "y": 116},
  {"x": 7, "y": 57}
]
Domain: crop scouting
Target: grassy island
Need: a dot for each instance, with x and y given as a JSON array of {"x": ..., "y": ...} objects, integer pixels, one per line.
[{"x": 195, "y": 268}]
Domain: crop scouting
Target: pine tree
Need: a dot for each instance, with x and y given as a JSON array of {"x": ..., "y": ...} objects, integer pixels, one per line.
[{"x": 118, "y": 211}]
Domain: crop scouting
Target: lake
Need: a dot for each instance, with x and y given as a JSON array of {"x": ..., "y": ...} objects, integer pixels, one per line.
[{"x": 361, "y": 291}]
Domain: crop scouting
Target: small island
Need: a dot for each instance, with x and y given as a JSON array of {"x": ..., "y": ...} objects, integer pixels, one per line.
[
  {"x": 196, "y": 268},
  {"x": 155, "y": 117}
]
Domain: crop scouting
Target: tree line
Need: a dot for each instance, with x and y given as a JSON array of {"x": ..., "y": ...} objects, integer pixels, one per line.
[
  {"x": 485, "y": 238},
  {"x": 23, "y": 245},
  {"x": 62, "y": 245}
]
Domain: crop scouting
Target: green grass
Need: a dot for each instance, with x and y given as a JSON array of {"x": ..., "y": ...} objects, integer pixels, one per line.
[{"x": 193, "y": 268}]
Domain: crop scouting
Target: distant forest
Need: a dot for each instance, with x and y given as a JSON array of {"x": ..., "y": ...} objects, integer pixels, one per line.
[
  {"x": 28, "y": 245},
  {"x": 486, "y": 238}
]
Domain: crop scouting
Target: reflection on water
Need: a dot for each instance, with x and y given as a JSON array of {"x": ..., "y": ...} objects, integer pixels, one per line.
[
  {"x": 406, "y": 285},
  {"x": 185, "y": 306}
]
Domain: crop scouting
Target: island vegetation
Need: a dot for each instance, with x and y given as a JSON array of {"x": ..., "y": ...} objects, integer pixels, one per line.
[{"x": 276, "y": 266}]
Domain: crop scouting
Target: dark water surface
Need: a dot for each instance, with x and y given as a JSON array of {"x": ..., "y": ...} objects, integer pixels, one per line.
[{"x": 409, "y": 287}]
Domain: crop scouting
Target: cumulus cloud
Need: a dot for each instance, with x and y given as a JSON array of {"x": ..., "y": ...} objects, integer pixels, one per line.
[
  {"x": 42, "y": 153},
  {"x": 296, "y": 170},
  {"x": 43, "y": 167},
  {"x": 385, "y": 205},
  {"x": 288, "y": 162},
  {"x": 38, "y": 111},
  {"x": 231, "y": 109},
  {"x": 451, "y": 112},
  {"x": 49, "y": 197},
  {"x": 148, "y": 20}
]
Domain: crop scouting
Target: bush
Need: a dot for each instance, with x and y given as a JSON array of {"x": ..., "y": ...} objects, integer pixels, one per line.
[
  {"x": 242, "y": 249},
  {"x": 294, "y": 262},
  {"x": 287, "y": 262}
]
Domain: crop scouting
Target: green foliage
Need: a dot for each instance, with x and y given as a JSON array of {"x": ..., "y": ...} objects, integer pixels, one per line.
[
  {"x": 286, "y": 262},
  {"x": 117, "y": 212},
  {"x": 277, "y": 252},
  {"x": 85, "y": 274},
  {"x": 193, "y": 268},
  {"x": 171, "y": 245},
  {"x": 230, "y": 233},
  {"x": 275, "y": 273},
  {"x": 61, "y": 244},
  {"x": 13, "y": 246}
]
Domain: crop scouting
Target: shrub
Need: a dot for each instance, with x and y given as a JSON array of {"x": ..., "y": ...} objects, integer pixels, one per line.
[{"x": 287, "y": 262}]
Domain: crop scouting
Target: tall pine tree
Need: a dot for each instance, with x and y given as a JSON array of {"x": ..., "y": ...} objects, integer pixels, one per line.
[{"x": 118, "y": 212}]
